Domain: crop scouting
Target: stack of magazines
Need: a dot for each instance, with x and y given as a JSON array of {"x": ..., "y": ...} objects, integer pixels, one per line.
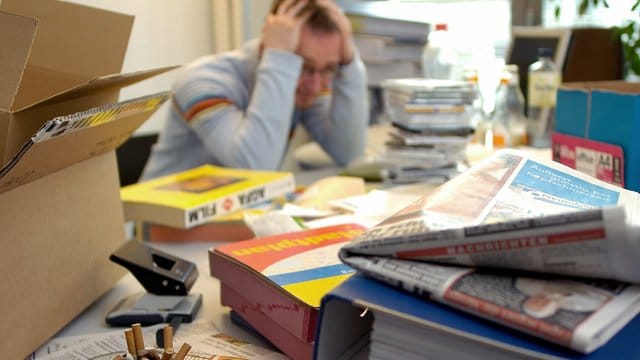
[
  {"x": 432, "y": 125},
  {"x": 535, "y": 246}
]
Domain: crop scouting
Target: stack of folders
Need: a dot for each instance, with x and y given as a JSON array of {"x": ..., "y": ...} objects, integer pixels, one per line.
[
  {"x": 364, "y": 318},
  {"x": 432, "y": 125}
]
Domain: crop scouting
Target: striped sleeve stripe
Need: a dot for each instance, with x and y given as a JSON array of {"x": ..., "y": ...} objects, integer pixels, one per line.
[{"x": 207, "y": 104}]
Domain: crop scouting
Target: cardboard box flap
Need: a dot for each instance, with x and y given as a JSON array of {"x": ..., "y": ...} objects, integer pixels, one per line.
[
  {"x": 73, "y": 138},
  {"x": 17, "y": 36},
  {"x": 614, "y": 86},
  {"x": 73, "y": 44},
  {"x": 116, "y": 81}
]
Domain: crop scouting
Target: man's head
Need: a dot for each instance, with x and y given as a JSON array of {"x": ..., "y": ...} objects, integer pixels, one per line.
[
  {"x": 319, "y": 19},
  {"x": 319, "y": 45}
]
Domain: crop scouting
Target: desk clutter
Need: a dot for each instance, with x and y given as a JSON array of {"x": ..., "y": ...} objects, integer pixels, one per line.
[
  {"x": 198, "y": 340},
  {"x": 137, "y": 350},
  {"x": 488, "y": 244},
  {"x": 514, "y": 257},
  {"x": 484, "y": 246}
]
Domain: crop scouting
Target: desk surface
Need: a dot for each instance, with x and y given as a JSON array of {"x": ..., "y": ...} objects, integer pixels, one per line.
[{"x": 92, "y": 320}]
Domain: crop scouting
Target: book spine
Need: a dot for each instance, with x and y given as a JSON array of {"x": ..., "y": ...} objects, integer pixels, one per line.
[
  {"x": 223, "y": 231},
  {"x": 272, "y": 330},
  {"x": 247, "y": 197},
  {"x": 294, "y": 316}
]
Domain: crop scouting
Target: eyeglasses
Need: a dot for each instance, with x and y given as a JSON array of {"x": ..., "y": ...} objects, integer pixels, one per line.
[{"x": 327, "y": 73}]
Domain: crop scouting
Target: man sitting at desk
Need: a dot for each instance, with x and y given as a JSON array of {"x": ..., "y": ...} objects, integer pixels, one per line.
[{"x": 239, "y": 108}]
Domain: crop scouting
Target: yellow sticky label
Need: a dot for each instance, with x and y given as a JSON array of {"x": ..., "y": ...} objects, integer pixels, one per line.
[{"x": 543, "y": 88}]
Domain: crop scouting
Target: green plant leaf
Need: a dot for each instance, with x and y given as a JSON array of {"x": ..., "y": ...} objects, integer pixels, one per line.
[{"x": 582, "y": 8}]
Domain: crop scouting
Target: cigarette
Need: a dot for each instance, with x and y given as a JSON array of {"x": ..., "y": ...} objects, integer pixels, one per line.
[
  {"x": 153, "y": 355},
  {"x": 131, "y": 342},
  {"x": 137, "y": 336},
  {"x": 184, "y": 349},
  {"x": 167, "y": 354},
  {"x": 167, "y": 335}
]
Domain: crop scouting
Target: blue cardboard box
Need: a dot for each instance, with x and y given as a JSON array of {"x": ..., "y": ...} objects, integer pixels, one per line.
[{"x": 605, "y": 111}]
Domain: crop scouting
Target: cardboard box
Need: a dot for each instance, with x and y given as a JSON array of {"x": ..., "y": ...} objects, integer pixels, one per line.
[
  {"x": 606, "y": 112},
  {"x": 60, "y": 210}
]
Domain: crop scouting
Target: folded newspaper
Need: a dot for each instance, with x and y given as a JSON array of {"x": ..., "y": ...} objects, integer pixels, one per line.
[{"x": 571, "y": 243}]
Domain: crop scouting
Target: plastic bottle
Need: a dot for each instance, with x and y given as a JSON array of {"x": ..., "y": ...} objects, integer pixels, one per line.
[
  {"x": 509, "y": 121},
  {"x": 479, "y": 120},
  {"x": 544, "y": 79},
  {"x": 439, "y": 56}
]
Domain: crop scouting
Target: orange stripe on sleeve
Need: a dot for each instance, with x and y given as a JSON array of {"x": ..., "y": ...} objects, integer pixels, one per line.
[{"x": 203, "y": 105}]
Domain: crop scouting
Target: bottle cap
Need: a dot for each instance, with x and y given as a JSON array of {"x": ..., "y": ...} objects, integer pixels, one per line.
[
  {"x": 509, "y": 72},
  {"x": 545, "y": 52},
  {"x": 441, "y": 26}
]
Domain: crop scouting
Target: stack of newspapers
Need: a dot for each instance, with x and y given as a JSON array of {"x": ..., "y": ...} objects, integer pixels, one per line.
[
  {"x": 532, "y": 245},
  {"x": 432, "y": 125}
]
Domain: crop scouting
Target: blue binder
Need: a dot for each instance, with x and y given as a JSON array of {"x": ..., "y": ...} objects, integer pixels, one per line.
[{"x": 343, "y": 329}]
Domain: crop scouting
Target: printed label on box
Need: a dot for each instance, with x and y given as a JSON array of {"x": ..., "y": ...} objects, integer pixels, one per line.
[{"x": 601, "y": 160}]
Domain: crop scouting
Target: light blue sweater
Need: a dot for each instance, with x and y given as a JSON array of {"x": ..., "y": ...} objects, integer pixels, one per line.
[{"x": 236, "y": 110}]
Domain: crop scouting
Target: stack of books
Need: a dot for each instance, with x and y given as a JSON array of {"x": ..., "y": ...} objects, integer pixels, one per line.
[
  {"x": 432, "y": 125},
  {"x": 274, "y": 284},
  {"x": 231, "y": 227},
  {"x": 205, "y": 203}
]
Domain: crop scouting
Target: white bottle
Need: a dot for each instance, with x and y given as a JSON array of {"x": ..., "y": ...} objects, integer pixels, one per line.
[
  {"x": 439, "y": 56},
  {"x": 479, "y": 119},
  {"x": 544, "y": 79},
  {"x": 471, "y": 76},
  {"x": 508, "y": 117}
]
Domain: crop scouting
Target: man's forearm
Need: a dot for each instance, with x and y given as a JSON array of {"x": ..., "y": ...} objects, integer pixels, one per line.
[{"x": 350, "y": 113}]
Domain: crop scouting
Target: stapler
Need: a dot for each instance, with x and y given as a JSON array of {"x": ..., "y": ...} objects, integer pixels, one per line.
[
  {"x": 167, "y": 280},
  {"x": 158, "y": 272}
]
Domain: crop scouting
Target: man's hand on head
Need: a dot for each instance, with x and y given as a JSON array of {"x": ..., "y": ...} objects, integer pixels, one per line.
[
  {"x": 344, "y": 25},
  {"x": 281, "y": 30}
]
